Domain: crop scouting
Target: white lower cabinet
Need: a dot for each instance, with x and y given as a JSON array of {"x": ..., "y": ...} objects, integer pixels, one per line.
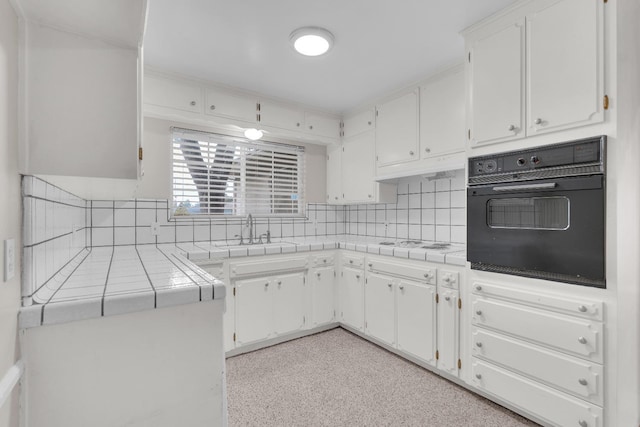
[
  {"x": 267, "y": 307},
  {"x": 379, "y": 308},
  {"x": 352, "y": 298},
  {"x": 448, "y": 331},
  {"x": 416, "y": 317},
  {"x": 322, "y": 283},
  {"x": 542, "y": 353}
]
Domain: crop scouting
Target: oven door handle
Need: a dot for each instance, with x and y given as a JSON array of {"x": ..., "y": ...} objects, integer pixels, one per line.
[{"x": 544, "y": 186}]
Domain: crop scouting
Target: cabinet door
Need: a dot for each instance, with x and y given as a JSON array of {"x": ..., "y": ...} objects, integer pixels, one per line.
[
  {"x": 322, "y": 295},
  {"x": 442, "y": 115},
  {"x": 172, "y": 94},
  {"x": 565, "y": 67},
  {"x": 334, "y": 173},
  {"x": 352, "y": 298},
  {"x": 226, "y": 104},
  {"x": 416, "y": 308},
  {"x": 358, "y": 171},
  {"x": 288, "y": 303},
  {"x": 397, "y": 129},
  {"x": 497, "y": 85},
  {"x": 321, "y": 125},
  {"x": 448, "y": 331},
  {"x": 280, "y": 116},
  {"x": 379, "y": 308},
  {"x": 359, "y": 123},
  {"x": 254, "y": 310}
]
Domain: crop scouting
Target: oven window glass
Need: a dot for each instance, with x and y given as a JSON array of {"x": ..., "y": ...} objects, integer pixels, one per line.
[{"x": 530, "y": 213}]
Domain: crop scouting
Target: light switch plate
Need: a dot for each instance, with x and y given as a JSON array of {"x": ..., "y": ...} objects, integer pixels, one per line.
[{"x": 9, "y": 259}]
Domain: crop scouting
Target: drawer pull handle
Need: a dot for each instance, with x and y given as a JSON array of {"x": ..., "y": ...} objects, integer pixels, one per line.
[
  {"x": 582, "y": 340},
  {"x": 479, "y": 376},
  {"x": 350, "y": 261},
  {"x": 193, "y": 103},
  {"x": 318, "y": 274},
  {"x": 447, "y": 279},
  {"x": 389, "y": 285},
  {"x": 447, "y": 298},
  {"x": 370, "y": 264},
  {"x": 427, "y": 275},
  {"x": 582, "y": 381},
  {"x": 478, "y": 288},
  {"x": 401, "y": 287},
  {"x": 479, "y": 312},
  {"x": 582, "y": 309},
  {"x": 582, "y": 423},
  {"x": 266, "y": 285},
  {"x": 279, "y": 283},
  {"x": 324, "y": 260},
  {"x": 357, "y": 276},
  {"x": 478, "y": 344}
]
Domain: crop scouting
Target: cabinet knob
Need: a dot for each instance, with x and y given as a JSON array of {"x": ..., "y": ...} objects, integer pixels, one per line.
[
  {"x": 350, "y": 261},
  {"x": 479, "y": 312},
  {"x": 298, "y": 124},
  {"x": 478, "y": 344},
  {"x": 310, "y": 127},
  {"x": 478, "y": 376},
  {"x": 478, "y": 288},
  {"x": 318, "y": 274},
  {"x": 266, "y": 285},
  {"x": 336, "y": 197},
  {"x": 512, "y": 128},
  {"x": 447, "y": 279},
  {"x": 357, "y": 276},
  {"x": 447, "y": 298},
  {"x": 582, "y": 340},
  {"x": 370, "y": 264},
  {"x": 538, "y": 121},
  {"x": 370, "y": 195},
  {"x": 324, "y": 260},
  {"x": 582, "y": 309},
  {"x": 401, "y": 287},
  {"x": 389, "y": 285},
  {"x": 583, "y": 423},
  {"x": 583, "y": 381},
  {"x": 279, "y": 283},
  {"x": 411, "y": 153},
  {"x": 427, "y": 150},
  {"x": 369, "y": 122},
  {"x": 213, "y": 107},
  {"x": 193, "y": 103}
]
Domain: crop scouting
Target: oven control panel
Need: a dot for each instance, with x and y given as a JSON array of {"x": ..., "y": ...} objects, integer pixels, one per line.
[{"x": 558, "y": 156}]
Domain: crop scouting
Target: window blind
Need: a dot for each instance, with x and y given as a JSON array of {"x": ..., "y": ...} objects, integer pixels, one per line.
[{"x": 215, "y": 174}]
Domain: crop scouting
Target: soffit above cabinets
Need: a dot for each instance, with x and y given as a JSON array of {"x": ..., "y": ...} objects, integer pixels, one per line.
[
  {"x": 119, "y": 22},
  {"x": 380, "y": 46}
]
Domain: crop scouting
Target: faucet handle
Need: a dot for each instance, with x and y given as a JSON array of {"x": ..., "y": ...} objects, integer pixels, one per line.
[{"x": 241, "y": 240}]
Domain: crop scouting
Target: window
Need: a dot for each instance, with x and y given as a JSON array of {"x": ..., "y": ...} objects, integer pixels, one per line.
[
  {"x": 222, "y": 175},
  {"x": 533, "y": 213}
]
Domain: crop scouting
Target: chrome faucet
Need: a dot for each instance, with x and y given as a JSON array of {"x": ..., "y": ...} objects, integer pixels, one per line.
[{"x": 250, "y": 225}]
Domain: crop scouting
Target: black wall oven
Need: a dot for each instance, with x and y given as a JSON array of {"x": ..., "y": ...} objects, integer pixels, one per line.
[{"x": 540, "y": 212}]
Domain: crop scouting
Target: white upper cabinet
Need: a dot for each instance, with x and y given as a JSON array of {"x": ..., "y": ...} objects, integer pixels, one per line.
[
  {"x": 397, "y": 129},
  {"x": 496, "y": 88},
  {"x": 358, "y": 170},
  {"x": 334, "y": 173},
  {"x": 564, "y": 65},
  {"x": 227, "y": 104},
  {"x": 280, "y": 116},
  {"x": 322, "y": 125},
  {"x": 173, "y": 94},
  {"x": 442, "y": 115},
  {"x": 543, "y": 57},
  {"x": 359, "y": 123}
]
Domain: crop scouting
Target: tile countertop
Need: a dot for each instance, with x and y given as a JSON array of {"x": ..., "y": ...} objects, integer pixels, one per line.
[{"x": 106, "y": 281}]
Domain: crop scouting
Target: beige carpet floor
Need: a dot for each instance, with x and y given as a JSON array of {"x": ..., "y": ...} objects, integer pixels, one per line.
[{"x": 336, "y": 378}]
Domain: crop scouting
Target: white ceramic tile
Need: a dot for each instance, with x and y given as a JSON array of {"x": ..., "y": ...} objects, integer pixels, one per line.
[
  {"x": 459, "y": 234},
  {"x": 456, "y": 258},
  {"x": 428, "y": 200},
  {"x": 29, "y": 317},
  {"x": 403, "y": 201},
  {"x": 414, "y": 185},
  {"x": 102, "y": 236},
  {"x": 144, "y": 204},
  {"x": 458, "y": 199},
  {"x": 128, "y": 303},
  {"x": 402, "y": 231},
  {"x": 443, "y": 216},
  {"x": 102, "y": 217},
  {"x": 443, "y": 233},
  {"x": 401, "y": 252},
  {"x": 68, "y": 311},
  {"x": 415, "y": 216},
  {"x": 166, "y": 234},
  {"x": 414, "y": 232},
  {"x": 286, "y": 249},
  {"x": 443, "y": 184},
  {"x": 40, "y": 221},
  {"x": 443, "y": 200},
  {"x": 105, "y": 204},
  {"x": 124, "y": 235},
  {"x": 435, "y": 256},
  {"x": 218, "y": 231},
  {"x": 201, "y": 232},
  {"x": 428, "y": 232},
  {"x": 144, "y": 236},
  {"x": 177, "y": 296},
  {"x": 458, "y": 216},
  {"x": 418, "y": 254}
]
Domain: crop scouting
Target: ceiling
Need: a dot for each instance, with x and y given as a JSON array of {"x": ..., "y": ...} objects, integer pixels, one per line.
[{"x": 380, "y": 45}]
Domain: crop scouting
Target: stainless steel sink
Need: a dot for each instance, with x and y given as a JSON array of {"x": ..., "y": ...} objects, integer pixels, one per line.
[{"x": 436, "y": 246}]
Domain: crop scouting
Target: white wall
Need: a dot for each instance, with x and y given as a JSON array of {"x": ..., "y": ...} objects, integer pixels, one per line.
[
  {"x": 156, "y": 183},
  {"x": 627, "y": 209},
  {"x": 10, "y": 203}
]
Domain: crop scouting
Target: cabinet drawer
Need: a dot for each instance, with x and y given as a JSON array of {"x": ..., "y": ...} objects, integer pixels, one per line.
[
  {"x": 415, "y": 271},
  {"x": 268, "y": 267},
  {"x": 449, "y": 279},
  {"x": 553, "y": 406},
  {"x": 353, "y": 260},
  {"x": 579, "y": 337},
  {"x": 581, "y": 307},
  {"x": 173, "y": 94},
  {"x": 322, "y": 259},
  {"x": 576, "y": 376},
  {"x": 225, "y": 104}
]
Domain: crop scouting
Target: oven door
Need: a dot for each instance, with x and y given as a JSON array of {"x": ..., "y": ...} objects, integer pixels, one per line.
[{"x": 552, "y": 229}]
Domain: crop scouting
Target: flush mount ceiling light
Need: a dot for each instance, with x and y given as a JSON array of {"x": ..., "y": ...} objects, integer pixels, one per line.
[
  {"x": 311, "y": 41},
  {"x": 253, "y": 134}
]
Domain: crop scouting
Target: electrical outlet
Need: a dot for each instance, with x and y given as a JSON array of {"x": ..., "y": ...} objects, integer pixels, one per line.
[
  {"x": 155, "y": 228},
  {"x": 9, "y": 259}
]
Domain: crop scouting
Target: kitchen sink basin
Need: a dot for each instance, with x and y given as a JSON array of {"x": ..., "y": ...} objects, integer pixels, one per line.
[{"x": 436, "y": 246}]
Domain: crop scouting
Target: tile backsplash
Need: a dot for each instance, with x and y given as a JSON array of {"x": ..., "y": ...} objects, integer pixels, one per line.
[
  {"x": 427, "y": 209},
  {"x": 55, "y": 229}
]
